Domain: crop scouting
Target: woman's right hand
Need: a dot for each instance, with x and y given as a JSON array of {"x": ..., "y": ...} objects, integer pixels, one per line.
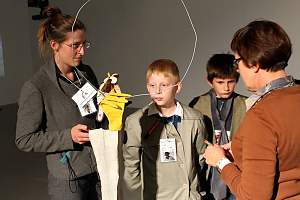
[
  {"x": 213, "y": 153},
  {"x": 80, "y": 133}
]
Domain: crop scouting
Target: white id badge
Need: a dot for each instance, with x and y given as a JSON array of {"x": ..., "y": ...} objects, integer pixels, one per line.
[
  {"x": 228, "y": 134},
  {"x": 84, "y": 95},
  {"x": 218, "y": 136},
  {"x": 88, "y": 108},
  {"x": 168, "y": 150}
]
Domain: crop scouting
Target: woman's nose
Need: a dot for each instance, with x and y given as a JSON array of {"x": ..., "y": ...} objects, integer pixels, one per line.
[{"x": 81, "y": 50}]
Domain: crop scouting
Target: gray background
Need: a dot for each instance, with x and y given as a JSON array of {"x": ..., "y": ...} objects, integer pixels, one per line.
[
  {"x": 1, "y": 59},
  {"x": 127, "y": 35}
]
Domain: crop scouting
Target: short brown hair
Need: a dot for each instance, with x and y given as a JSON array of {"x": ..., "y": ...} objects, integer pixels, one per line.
[
  {"x": 165, "y": 66},
  {"x": 263, "y": 43},
  {"x": 221, "y": 66}
]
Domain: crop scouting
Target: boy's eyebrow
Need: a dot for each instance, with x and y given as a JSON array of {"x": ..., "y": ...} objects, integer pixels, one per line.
[{"x": 223, "y": 80}]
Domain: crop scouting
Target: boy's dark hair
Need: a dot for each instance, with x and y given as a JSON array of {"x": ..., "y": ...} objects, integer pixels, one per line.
[
  {"x": 263, "y": 43},
  {"x": 221, "y": 66}
]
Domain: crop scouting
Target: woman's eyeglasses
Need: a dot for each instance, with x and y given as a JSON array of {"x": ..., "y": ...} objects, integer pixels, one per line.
[
  {"x": 236, "y": 62},
  {"x": 78, "y": 46}
]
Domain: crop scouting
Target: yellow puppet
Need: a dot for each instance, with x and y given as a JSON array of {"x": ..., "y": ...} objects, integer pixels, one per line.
[
  {"x": 111, "y": 102},
  {"x": 105, "y": 143}
]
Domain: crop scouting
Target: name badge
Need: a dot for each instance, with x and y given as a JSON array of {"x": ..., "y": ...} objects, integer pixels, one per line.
[
  {"x": 88, "y": 108},
  {"x": 84, "y": 99},
  {"x": 228, "y": 133},
  {"x": 218, "y": 136},
  {"x": 168, "y": 150},
  {"x": 84, "y": 95}
]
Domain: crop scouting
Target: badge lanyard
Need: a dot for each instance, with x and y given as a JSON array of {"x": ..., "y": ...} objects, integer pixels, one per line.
[{"x": 84, "y": 97}]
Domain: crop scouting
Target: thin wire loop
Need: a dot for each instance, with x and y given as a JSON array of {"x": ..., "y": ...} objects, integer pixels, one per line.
[{"x": 194, "y": 48}]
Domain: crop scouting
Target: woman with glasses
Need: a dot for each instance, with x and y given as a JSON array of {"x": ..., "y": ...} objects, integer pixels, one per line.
[
  {"x": 57, "y": 109},
  {"x": 266, "y": 146}
]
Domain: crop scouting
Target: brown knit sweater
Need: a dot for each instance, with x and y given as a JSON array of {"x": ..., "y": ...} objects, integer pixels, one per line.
[{"x": 266, "y": 148}]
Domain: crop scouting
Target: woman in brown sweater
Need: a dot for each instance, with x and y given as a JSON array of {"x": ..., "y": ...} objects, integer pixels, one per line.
[{"x": 266, "y": 146}]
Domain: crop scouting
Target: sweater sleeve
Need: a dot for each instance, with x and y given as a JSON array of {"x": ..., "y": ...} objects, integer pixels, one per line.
[
  {"x": 31, "y": 133},
  {"x": 255, "y": 177}
]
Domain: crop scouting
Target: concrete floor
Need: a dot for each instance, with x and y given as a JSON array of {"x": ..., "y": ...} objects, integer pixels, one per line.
[{"x": 23, "y": 175}]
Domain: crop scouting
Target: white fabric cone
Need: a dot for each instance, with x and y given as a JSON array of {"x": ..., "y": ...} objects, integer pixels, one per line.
[{"x": 105, "y": 147}]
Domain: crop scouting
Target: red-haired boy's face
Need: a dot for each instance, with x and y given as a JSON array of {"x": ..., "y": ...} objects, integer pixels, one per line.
[{"x": 162, "y": 89}]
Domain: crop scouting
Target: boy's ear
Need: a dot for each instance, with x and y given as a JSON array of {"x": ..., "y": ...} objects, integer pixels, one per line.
[
  {"x": 209, "y": 83},
  {"x": 179, "y": 87}
]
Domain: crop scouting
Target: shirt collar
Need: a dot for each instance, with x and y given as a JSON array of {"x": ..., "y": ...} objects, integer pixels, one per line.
[
  {"x": 286, "y": 81},
  {"x": 153, "y": 110}
]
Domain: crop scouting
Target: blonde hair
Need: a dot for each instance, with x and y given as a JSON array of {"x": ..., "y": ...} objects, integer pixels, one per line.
[{"x": 165, "y": 66}]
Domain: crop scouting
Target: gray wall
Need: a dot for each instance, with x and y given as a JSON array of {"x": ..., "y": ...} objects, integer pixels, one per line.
[
  {"x": 16, "y": 37},
  {"x": 127, "y": 35}
]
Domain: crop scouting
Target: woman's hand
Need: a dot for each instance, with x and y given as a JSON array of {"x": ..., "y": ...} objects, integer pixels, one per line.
[
  {"x": 213, "y": 154},
  {"x": 226, "y": 146},
  {"x": 228, "y": 151},
  {"x": 80, "y": 133}
]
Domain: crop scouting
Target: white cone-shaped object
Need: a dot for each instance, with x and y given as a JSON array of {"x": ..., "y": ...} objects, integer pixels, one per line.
[{"x": 105, "y": 147}]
